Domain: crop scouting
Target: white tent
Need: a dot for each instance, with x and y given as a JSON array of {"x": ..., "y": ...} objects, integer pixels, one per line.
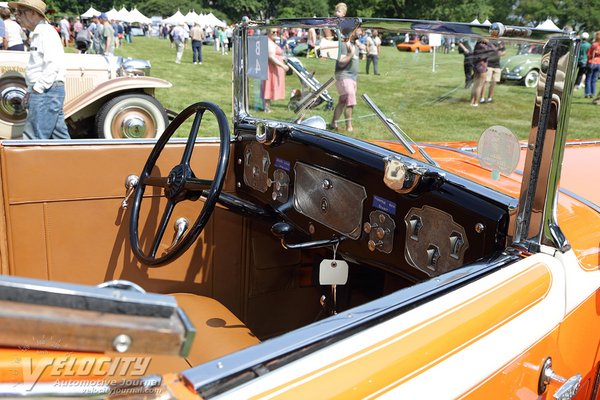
[
  {"x": 123, "y": 14},
  {"x": 548, "y": 25},
  {"x": 486, "y": 22},
  {"x": 92, "y": 12},
  {"x": 476, "y": 21},
  {"x": 211, "y": 20},
  {"x": 175, "y": 19},
  {"x": 112, "y": 14},
  {"x": 136, "y": 16},
  {"x": 191, "y": 17}
]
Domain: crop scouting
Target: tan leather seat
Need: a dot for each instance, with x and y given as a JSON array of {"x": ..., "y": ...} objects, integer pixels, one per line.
[{"x": 218, "y": 332}]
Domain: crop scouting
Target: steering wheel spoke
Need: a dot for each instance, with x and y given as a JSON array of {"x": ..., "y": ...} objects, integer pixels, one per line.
[
  {"x": 189, "y": 147},
  {"x": 180, "y": 185},
  {"x": 162, "y": 227},
  {"x": 155, "y": 181},
  {"x": 198, "y": 185}
]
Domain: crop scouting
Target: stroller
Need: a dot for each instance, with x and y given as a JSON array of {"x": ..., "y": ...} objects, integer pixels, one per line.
[{"x": 310, "y": 84}]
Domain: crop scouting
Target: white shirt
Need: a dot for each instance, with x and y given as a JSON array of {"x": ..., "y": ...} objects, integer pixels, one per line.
[
  {"x": 46, "y": 59},
  {"x": 13, "y": 31},
  {"x": 373, "y": 44}
]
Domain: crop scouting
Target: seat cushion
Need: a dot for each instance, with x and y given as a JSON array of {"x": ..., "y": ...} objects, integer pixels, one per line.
[{"x": 218, "y": 331}]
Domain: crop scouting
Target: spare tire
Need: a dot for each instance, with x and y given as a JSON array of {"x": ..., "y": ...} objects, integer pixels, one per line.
[{"x": 133, "y": 116}]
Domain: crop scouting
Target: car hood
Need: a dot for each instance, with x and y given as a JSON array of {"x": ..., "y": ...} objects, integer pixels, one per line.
[
  {"x": 460, "y": 158},
  {"x": 522, "y": 59}
]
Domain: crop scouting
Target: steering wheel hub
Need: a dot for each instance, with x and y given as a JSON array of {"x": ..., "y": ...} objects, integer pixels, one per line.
[{"x": 176, "y": 180}]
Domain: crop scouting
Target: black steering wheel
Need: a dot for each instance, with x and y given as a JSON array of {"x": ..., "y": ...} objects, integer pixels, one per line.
[{"x": 181, "y": 184}]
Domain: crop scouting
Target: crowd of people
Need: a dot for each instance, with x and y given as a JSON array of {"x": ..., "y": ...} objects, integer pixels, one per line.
[{"x": 100, "y": 35}]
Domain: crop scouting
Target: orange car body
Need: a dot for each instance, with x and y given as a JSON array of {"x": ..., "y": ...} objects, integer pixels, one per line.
[
  {"x": 414, "y": 46},
  {"x": 502, "y": 302}
]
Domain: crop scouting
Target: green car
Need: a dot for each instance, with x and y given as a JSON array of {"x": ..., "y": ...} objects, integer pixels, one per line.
[{"x": 524, "y": 67}]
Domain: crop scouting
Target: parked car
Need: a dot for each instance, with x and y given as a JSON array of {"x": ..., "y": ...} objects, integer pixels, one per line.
[
  {"x": 410, "y": 258},
  {"x": 524, "y": 67},
  {"x": 392, "y": 39},
  {"x": 106, "y": 97},
  {"x": 414, "y": 45}
]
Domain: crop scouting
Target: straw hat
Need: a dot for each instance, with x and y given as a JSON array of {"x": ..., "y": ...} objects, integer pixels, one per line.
[{"x": 36, "y": 5}]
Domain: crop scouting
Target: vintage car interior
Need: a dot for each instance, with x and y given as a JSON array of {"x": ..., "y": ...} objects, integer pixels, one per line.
[{"x": 278, "y": 236}]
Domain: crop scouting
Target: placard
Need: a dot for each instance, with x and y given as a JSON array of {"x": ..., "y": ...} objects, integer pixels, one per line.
[{"x": 258, "y": 57}]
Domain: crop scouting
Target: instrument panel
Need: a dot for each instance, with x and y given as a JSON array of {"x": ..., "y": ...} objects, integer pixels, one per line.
[{"x": 327, "y": 188}]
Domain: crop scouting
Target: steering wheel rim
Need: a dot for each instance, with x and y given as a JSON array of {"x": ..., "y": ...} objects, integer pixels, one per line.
[{"x": 180, "y": 185}]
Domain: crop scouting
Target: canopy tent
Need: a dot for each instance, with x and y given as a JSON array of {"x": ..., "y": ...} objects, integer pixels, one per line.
[
  {"x": 486, "y": 22},
  {"x": 112, "y": 14},
  {"x": 549, "y": 25},
  {"x": 175, "y": 19},
  {"x": 92, "y": 12},
  {"x": 136, "y": 16},
  {"x": 476, "y": 21},
  {"x": 211, "y": 20},
  {"x": 123, "y": 15},
  {"x": 191, "y": 17}
]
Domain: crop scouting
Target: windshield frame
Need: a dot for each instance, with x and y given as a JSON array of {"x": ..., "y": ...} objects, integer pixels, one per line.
[{"x": 535, "y": 220}]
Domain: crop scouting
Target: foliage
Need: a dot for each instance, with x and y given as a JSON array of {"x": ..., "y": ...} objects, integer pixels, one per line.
[{"x": 579, "y": 14}]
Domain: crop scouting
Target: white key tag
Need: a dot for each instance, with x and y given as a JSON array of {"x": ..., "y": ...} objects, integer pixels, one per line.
[{"x": 333, "y": 272}]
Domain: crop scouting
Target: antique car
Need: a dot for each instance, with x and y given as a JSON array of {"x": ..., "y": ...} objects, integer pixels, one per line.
[
  {"x": 424, "y": 255},
  {"x": 392, "y": 39},
  {"x": 105, "y": 97},
  {"x": 524, "y": 67},
  {"x": 413, "y": 45}
]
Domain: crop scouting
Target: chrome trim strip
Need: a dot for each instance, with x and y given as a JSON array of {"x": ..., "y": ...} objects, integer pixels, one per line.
[
  {"x": 585, "y": 201},
  {"x": 100, "y": 142}
]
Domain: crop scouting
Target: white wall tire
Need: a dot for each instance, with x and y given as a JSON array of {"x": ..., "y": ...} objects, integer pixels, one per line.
[
  {"x": 531, "y": 79},
  {"x": 131, "y": 116}
]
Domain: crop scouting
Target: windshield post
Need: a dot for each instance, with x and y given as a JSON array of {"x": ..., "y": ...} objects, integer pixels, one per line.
[{"x": 536, "y": 222}]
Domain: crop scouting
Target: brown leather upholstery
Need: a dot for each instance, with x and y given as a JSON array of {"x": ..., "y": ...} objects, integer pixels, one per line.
[{"x": 218, "y": 331}]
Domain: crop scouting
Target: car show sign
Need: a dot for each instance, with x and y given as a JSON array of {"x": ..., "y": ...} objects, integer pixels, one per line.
[{"x": 258, "y": 57}]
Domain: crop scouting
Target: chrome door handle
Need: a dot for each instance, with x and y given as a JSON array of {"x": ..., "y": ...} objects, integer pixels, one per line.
[{"x": 569, "y": 387}]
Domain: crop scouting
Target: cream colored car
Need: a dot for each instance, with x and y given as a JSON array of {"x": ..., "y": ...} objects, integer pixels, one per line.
[{"x": 106, "y": 97}]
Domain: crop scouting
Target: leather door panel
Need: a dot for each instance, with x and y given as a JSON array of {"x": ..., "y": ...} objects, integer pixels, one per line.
[{"x": 64, "y": 221}]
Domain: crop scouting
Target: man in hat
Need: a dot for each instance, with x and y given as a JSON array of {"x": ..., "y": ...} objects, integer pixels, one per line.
[
  {"x": 44, "y": 74},
  {"x": 108, "y": 35}
]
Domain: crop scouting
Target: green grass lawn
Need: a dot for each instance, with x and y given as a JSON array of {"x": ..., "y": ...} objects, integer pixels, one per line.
[{"x": 437, "y": 108}]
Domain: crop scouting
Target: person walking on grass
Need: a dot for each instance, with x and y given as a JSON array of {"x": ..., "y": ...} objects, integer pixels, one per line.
[
  {"x": 178, "y": 34},
  {"x": 197, "y": 36},
  {"x": 346, "y": 75},
  {"x": 593, "y": 67}
]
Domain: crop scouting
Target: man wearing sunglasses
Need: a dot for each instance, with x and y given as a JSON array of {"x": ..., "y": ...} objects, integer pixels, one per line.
[{"x": 44, "y": 73}]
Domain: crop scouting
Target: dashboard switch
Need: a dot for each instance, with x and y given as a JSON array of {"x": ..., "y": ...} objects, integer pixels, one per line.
[{"x": 380, "y": 228}]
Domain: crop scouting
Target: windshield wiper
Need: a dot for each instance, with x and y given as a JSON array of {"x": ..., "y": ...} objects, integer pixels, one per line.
[{"x": 403, "y": 138}]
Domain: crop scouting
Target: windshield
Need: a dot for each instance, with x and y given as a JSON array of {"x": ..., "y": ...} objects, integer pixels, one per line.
[{"x": 430, "y": 88}]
